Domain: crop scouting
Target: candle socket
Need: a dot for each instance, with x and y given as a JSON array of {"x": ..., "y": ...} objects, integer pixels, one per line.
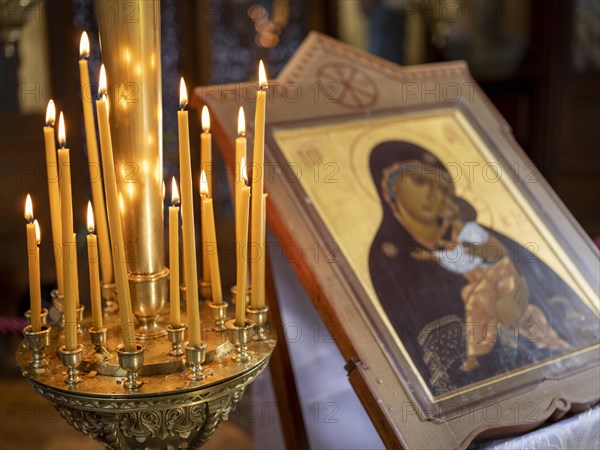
[
  {"x": 43, "y": 315},
  {"x": 176, "y": 336},
  {"x": 108, "y": 293},
  {"x": 37, "y": 341},
  {"x": 131, "y": 362},
  {"x": 233, "y": 291},
  {"x": 259, "y": 317},
  {"x": 219, "y": 313},
  {"x": 205, "y": 290},
  {"x": 71, "y": 360},
  {"x": 98, "y": 340},
  {"x": 239, "y": 337},
  {"x": 194, "y": 357}
]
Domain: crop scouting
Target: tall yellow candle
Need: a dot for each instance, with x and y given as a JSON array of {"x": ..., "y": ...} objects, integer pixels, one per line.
[
  {"x": 206, "y": 148},
  {"x": 206, "y": 167},
  {"x": 54, "y": 194},
  {"x": 241, "y": 223},
  {"x": 174, "y": 256},
  {"x": 257, "y": 265},
  {"x": 92, "y": 248},
  {"x": 208, "y": 221},
  {"x": 114, "y": 218},
  {"x": 240, "y": 152},
  {"x": 33, "y": 266},
  {"x": 69, "y": 256},
  {"x": 94, "y": 161},
  {"x": 187, "y": 217},
  {"x": 75, "y": 269}
]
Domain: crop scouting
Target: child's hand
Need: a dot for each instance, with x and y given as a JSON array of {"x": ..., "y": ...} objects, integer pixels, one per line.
[{"x": 423, "y": 255}]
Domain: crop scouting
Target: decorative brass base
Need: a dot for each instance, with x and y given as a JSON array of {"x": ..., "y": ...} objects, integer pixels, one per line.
[{"x": 168, "y": 410}]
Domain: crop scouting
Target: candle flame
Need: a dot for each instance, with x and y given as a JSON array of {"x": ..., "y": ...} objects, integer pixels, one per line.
[
  {"x": 91, "y": 226},
  {"x": 241, "y": 122},
  {"x": 50, "y": 114},
  {"x": 244, "y": 170},
  {"x": 174, "y": 192},
  {"x": 38, "y": 232},
  {"x": 62, "y": 132},
  {"x": 102, "y": 84},
  {"x": 183, "y": 98},
  {"x": 84, "y": 46},
  {"x": 28, "y": 209},
  {"x": 205, "y": 119},
  {"x": 203, "y": 185},
  {"x": 262, "y": 75}
]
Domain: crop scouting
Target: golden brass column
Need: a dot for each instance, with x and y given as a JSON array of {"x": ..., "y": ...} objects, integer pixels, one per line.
[{"x": 130, "y": 44}]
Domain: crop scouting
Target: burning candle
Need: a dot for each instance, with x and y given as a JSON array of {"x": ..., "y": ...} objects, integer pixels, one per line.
[
  {"x": 52, "y": 172},
  {"x": 68, "y": 244},
  {"x": 92, "y": 248},
  {"x": 205, "y": 166},
  {"x": 208, "y": 223},
  {"x": 240, "y": 151},
  {"x": 33, "y": 266},
  {"x": 174, "y": 255},
  {"x": 114, "y": 217},
  {"x": 94, "y": 160},
  {"x": 187, "y": 212},
  {"x": 258, "y": 231},
  {"x": 241, "y": 223}
]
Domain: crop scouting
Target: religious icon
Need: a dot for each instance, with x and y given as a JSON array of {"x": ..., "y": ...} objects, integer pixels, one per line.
[
  {"x": 456, "y": 266},
  {"x": 478, "y": 303}
]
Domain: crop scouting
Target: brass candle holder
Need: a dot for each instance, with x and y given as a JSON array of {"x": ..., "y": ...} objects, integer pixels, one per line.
[
  {"x": 205, "y": 290},
  {"x": 176, "y": 336},
  {"x": 239, "y": 337},
  {"x": 233, "y": 291},
  {"x": 194, "y": 356},
  {"x": 259, "y": 317},
  {"x": 71, "y": 360},
  {"x": 98, "y": 340},
  {"x": 219, "y": 311},
  {"x": 131, "y": 362},
  {"x": 37, "y": 341},
  {"x": 44, "y": 316}
]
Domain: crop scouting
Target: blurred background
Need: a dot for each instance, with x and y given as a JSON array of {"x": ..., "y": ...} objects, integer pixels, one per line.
[{"x": 537, "y": 60}]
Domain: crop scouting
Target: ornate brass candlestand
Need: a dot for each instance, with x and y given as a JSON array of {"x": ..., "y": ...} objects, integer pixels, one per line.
[{"x": 169, "y": 410}]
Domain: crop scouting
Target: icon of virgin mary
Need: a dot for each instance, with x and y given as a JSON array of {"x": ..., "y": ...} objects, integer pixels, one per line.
[{"x": 467, "y": 302}]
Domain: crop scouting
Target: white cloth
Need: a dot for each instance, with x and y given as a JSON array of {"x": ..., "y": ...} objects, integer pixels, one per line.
[{"x": 458, "y": 259}]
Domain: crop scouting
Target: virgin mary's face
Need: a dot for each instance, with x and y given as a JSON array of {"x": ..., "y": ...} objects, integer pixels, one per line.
[{"x": 422, "y": 195}]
